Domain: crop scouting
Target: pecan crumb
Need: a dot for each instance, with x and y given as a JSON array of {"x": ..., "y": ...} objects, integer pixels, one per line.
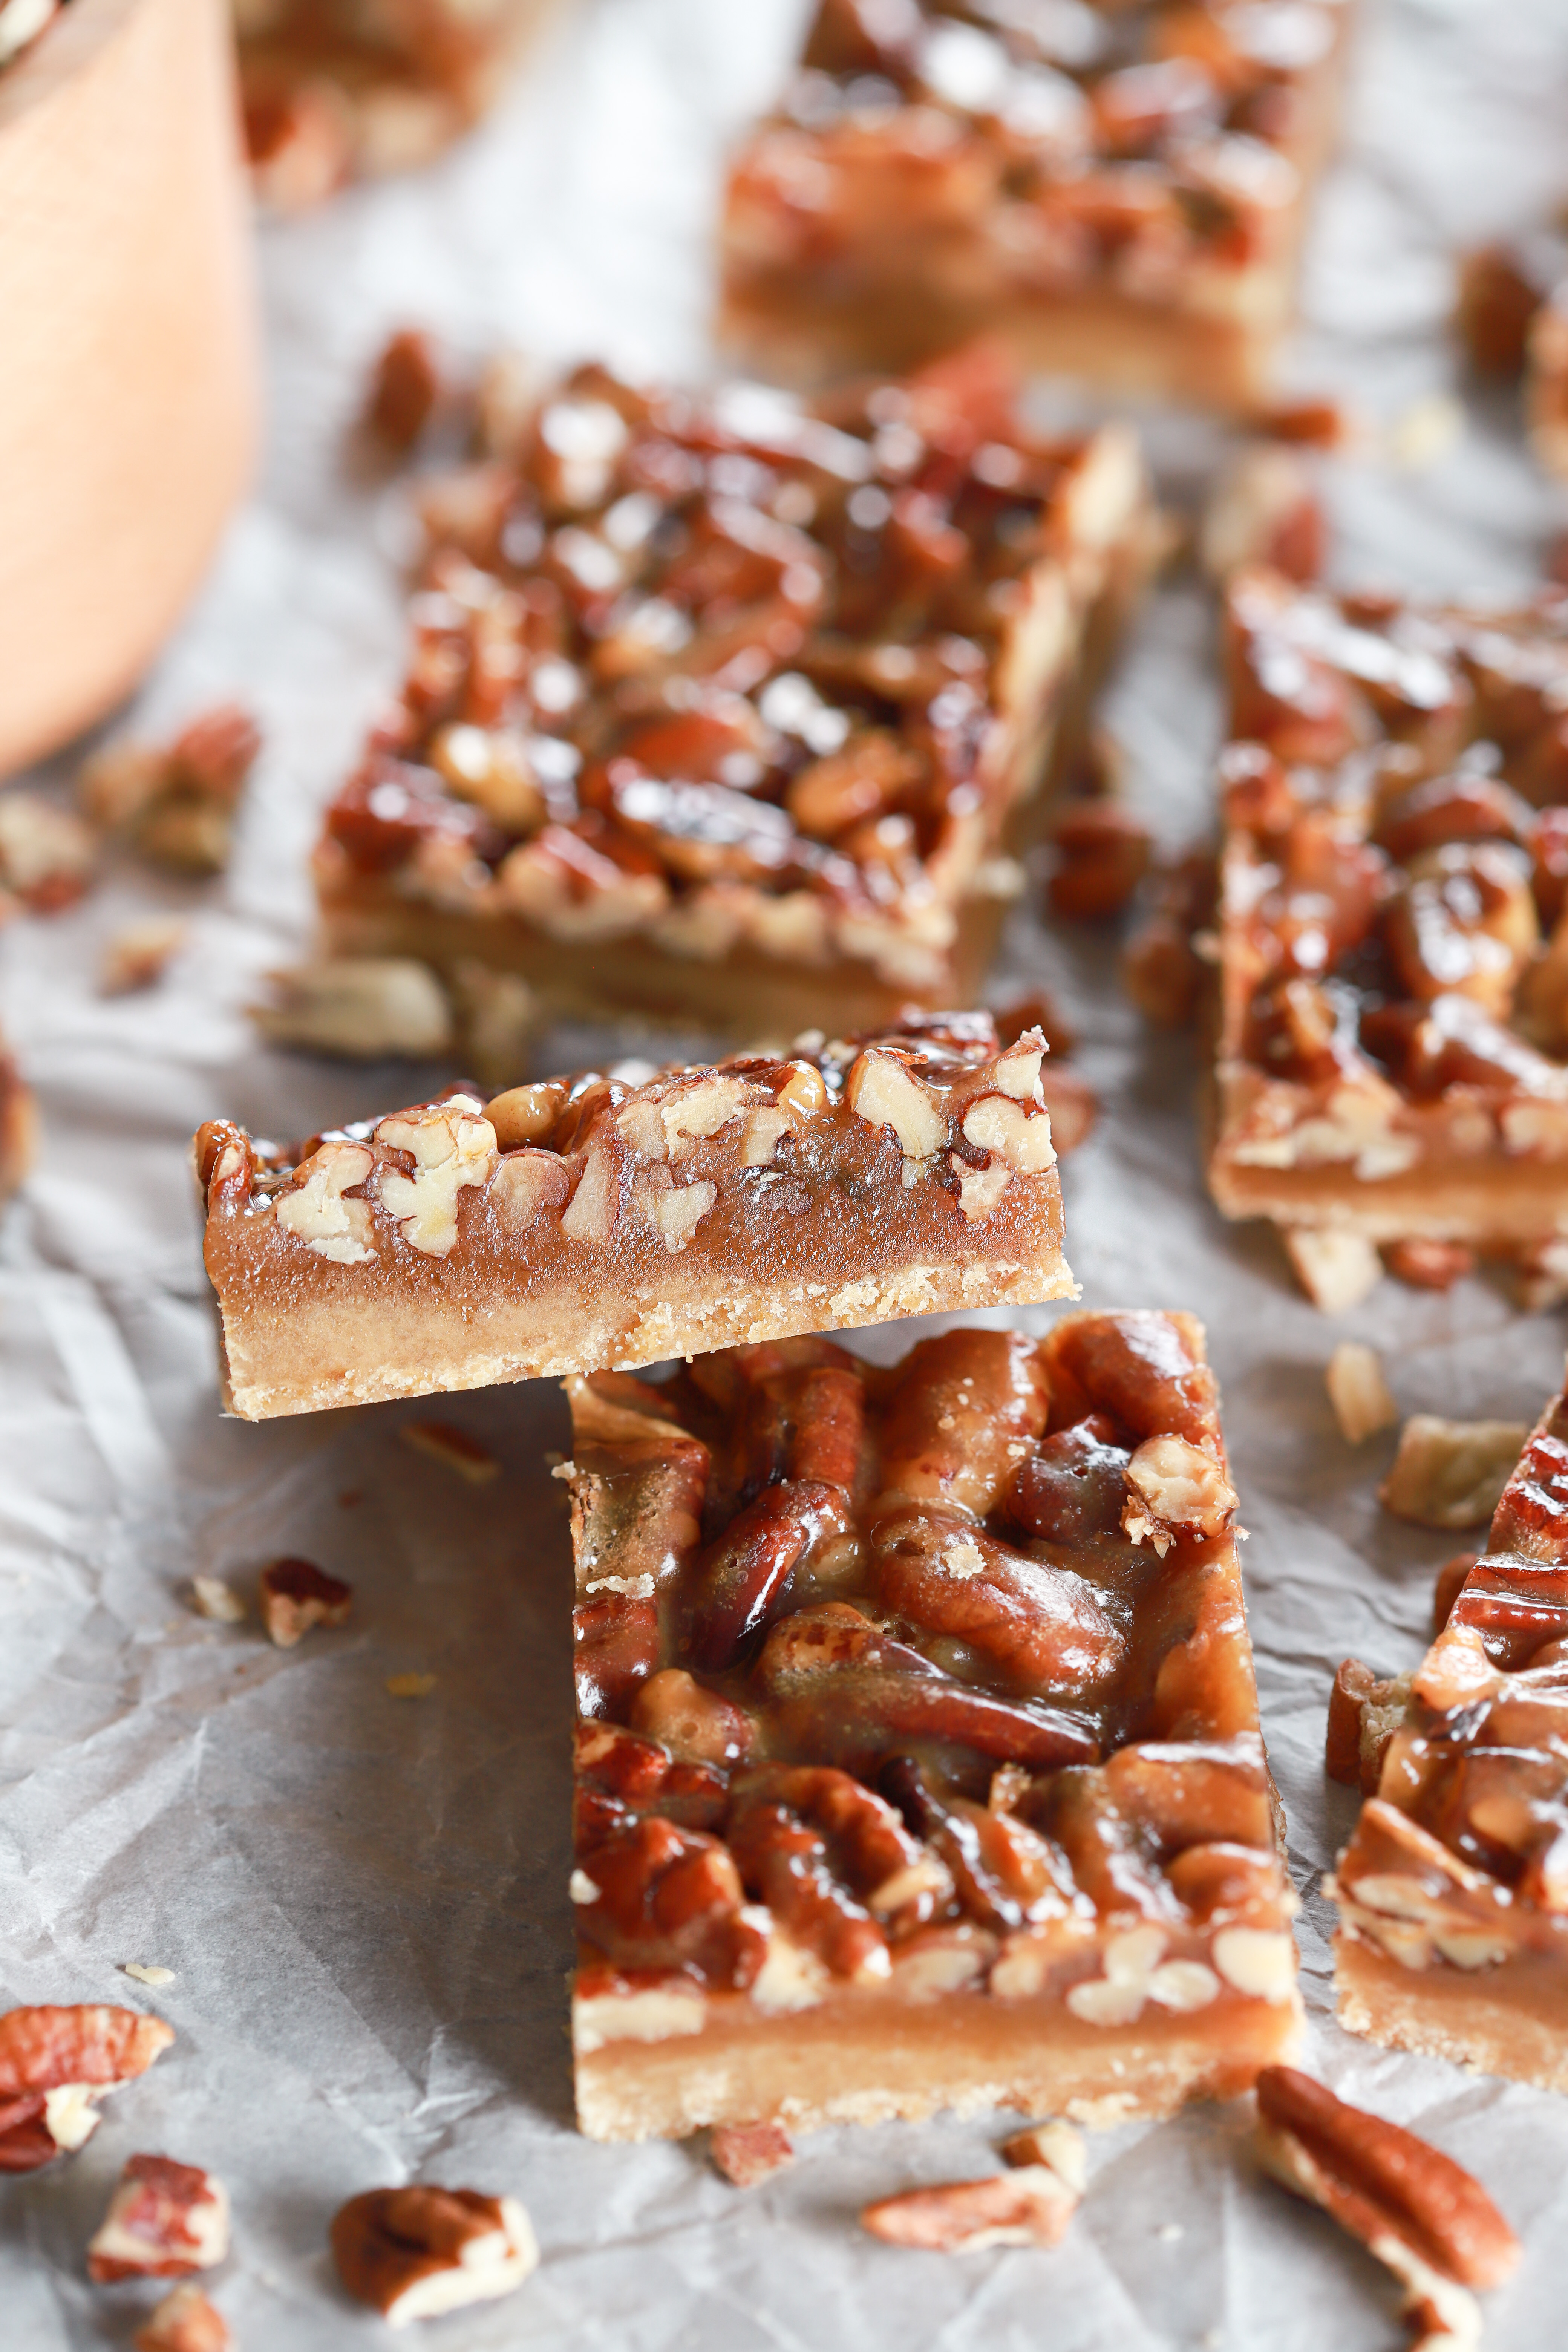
[
  {"x": 296, "y": 1594},
  {"x": 1428, "y": 1264},
  {"x": 1358, "y": 1392},
  {"x": 444, "y": 1443},
  {"x": 1336, "y": 1270},
  {"x": 184, "y": 2322},
  {"x": 211, "y": 1596},
  {"x": 1030, "y": 2206},
  {"x": 1451, "y": 1473},
  {"x": 747, "y": 2153},
  {"x": 175, "y": 803},
  {"x": 416, "y": 2253},
  {"x": 139, "y": 956}
]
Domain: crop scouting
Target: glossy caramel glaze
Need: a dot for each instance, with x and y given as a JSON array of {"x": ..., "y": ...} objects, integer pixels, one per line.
[{"x": 876, "y": 1696}]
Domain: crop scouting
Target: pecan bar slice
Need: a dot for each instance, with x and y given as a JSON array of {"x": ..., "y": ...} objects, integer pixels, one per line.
[
  {"x": 728, "y": 709},
  {"x": 598, "y": 1222},
  {"x": 1453, "y": 1891},
  {"x": 1392, "y": 1057},
  {"x": 918, "y": 1755},
  {"x": 1118, "y": 190},
  {"x": 341, "y": 90}
]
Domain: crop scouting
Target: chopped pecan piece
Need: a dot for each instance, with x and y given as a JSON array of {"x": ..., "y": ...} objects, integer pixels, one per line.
[
  {"x": 363, "y": 1007},
  {"x": 1359, "y": 1392},
  {"x": 56, "y": 2064},
  {"x": 1428, "y": 1264},
  {"x": 1102, "y": 855},
  {"x": 416, "y": 2253},
  {"x": 296, "y": 1595},
  {"x": 747, "y": 2153},
  {"x": 1029, "y": 2206},
  {"x": 164, "y": 2221},
  {"x": 184, "y": 2322},
  {"x": 1451, "y": 1473}
]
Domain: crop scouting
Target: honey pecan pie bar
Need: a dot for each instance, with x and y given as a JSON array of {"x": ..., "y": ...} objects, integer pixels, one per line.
[
  {"x": 918, "y": 1755},
  {"x": 600, "y": 1221},
  {"x": 1453, "y": 1891},
  {"x": 728, "y": 709},
  {"x": 1118, "y": 189},
  {"x": 337, "y": 89},
  {"x": 1392, "y": 1058}
]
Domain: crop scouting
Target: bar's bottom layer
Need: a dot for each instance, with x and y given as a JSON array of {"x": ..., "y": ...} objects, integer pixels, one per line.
[
  {"x": 295, "y": 1354},
  {"x": 867, "y": 2062},
  {"x": 1499, "y": 1202},
  {"x": 1511, "y": 2019}
]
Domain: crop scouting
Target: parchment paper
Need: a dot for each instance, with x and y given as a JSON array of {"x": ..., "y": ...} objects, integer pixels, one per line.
[{"x": 364, "y": 1898}]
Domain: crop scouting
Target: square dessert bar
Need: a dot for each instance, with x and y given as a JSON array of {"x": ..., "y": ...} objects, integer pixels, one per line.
[
  {"x": 335, "y": 89},
  {"x": 1453, "y": 1891},
  {"x": 918, "y": 1755},
  {"x": 727, "y": 709},
  {"x": 601, "y": 1221},
  {"x": 1118, "y": 189},
  {"x": 1392, "y": 1057}
]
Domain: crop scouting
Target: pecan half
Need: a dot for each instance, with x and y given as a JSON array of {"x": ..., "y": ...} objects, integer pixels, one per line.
[
  {"x": 164, "y": 2221},
  {"x": 414, "y": 2253},
  {"x": 56, "y": 2064}
]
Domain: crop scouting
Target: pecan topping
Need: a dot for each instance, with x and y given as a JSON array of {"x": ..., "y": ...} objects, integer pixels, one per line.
[
  {"x": 416, "y": 2253},
  {"x": 452, "y": 1147}
]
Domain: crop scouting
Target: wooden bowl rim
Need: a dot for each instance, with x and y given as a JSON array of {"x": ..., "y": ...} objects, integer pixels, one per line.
[{"x": 66, "y": 47}]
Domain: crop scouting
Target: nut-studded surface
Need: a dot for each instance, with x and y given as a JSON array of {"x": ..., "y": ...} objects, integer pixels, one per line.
[
  {"x": 1119, "y": 190},
  {"x": 1392, "y": 1038},
  {"x": 1453, "y": 1892},
  {"x": 597, "y": 1222},
  {"x": 727, "y": 708},
  {"x": 918, "y": 1754}
]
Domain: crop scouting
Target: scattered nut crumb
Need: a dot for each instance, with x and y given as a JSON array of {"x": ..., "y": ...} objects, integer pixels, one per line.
[
  {"x": 175, "y": 803},
  {"x": 46, "y": 854},
  {"x": 1428, "y": 1264},
  {"x": 164, "y": 2221},
  {"x": 455, "y": 1447},
  {"x": 360, "y": 1007},
  {"x": 296, "y": 1594},
  {"x": 1028, "y": 2207},
  {"x": 747, "y": 2153},
  {"x": 211, "y": 1596},
  {"x": 1450, "y": 1474},
  {"x": 410, "y": 1686},
  {"x": 1358, "y": 1392},
  {"x": 184, "y": 2322},
  {"x": 140, "y": 954},
  {"x": 1169, "y": 2233},
  {"x": 1336, "y": 1270},
  {"x": 146, "y": 1974},
  {"x": 1057, "y": 2145},
  {"x": 1429, "y": 429}
]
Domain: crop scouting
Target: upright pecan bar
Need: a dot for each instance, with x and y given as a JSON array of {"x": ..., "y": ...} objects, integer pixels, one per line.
[
  {"x": 1392, "y": 1057},
  {"x": 727, "y": 707},
  {"x": 917, "y": 1757},
  {"x": 1119, "y": 189},
  {"x": 1453, "y": 1891},
  {"x": 337, "y": 89},
  {"x": 597, "y": 1222}
]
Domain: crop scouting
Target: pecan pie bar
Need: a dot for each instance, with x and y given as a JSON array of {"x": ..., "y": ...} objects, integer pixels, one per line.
[
  {"x": 597, "y": 1222},
  {"x": 728, "y": 709},
  {"x": 1453, "y": 1891},
  {"x": 1392, "y": 1057},
  {"x": 337, "y": 89},
  {"x": 1119, "y": 189},
  {"x": 918, "y": 1755}
]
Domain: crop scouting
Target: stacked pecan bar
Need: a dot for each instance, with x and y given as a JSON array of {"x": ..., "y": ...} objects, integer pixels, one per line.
[
  {"x": 335, "y": 89},
  {"x": 1453, "y": 1892},
  {"x": 596, "y": 1222},
  {"x": 1119, "y": 189},
  {"x": 727, "y": 708},
  {"x": 918, "y": 1755},
  {"x": 1392, "y": 1058}
]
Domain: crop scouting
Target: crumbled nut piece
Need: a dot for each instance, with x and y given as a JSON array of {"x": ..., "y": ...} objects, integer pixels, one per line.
[
  {"x": 362, "y": 1007},
  {"x": 318, "y": 1211},
  {"x": 211, "y": 1596},
  {"x": 747, "y": 2153},
  {"x": 1450, "y": 1583},
  {"x": 412, "y": 2254},
  {"x": 1428, "y": 430},
  {"x": 46, "y": 854},
  {"x": 145, "y": 1975},
  {"x": 1264, "y": 510},
  {"x": 410, "y": 1686},
  {"x": 882, "y": 1091},
  {"x": 1102, "y": 855},
  {"x": 184, "y": 2322},
  {"x": 296, "y": 1594},
  {"x": 1030, "y": 2206},
  {"x": 453, "y": 1147},
  {"x": 1358, "y": 1392},
  {"x": 140, "y": 954},
  {"x": 164, "y": 2221},
  {"x": 455, "y": 1447},
  {"x": 1428, "y": 1264},
  {"x": 405, "y": 387},
  {"x": 1426, "y": 2219},
  {"x": 1058, "y": 2145},
  {"x": 1497, "y": 302},
  {"x": 1336, "y": 1270},
  {"x": 56, "y": 2064},
  {"x": 1176, "y": 1488},
  {"x": 175, "y": 803},
  {"x": 1307, "y": 424},
  {"x": 1450, "y": 1474}
]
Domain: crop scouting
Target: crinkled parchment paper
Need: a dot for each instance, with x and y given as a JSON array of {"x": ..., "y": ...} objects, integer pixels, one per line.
[{"x": 364, "y": 1898}]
